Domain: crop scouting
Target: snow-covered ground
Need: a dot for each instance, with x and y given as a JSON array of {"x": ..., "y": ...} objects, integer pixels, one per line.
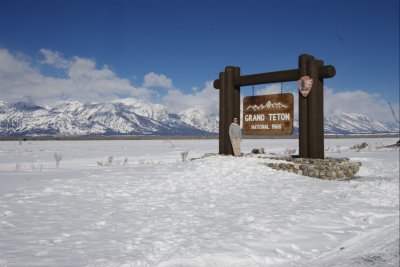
[{"x": 136, "y": 203}]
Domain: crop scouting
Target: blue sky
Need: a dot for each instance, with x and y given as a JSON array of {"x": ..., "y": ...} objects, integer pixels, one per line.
[{"x": 161, "y": 50}]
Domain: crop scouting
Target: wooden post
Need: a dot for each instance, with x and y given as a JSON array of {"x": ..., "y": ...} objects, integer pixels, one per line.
[
  {"x": 303, "y": 138},
  {"x": 222, "y": 113},
  {"x": 236, "y": 96},
  {"x": 229, "y": 92},
  {"x": 229, "y": 107},
  {"x": 315, "y": 112}
]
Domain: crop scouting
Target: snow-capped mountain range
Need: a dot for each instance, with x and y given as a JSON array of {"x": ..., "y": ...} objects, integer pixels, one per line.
[
  {"x": 122, "y": 117},
  {"x": 136, "y": 117},
  {"x": 354, "y": 123}
]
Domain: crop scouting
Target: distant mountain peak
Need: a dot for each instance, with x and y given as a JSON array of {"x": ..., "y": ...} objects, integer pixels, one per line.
[{"x": 23, "y": 106}]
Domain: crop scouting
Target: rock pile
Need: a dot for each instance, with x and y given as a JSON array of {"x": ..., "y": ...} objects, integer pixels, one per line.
[{"x": 328, "y": 168}]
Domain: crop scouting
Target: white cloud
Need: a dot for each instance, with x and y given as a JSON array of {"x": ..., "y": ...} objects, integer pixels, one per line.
[
  {"x": 373, "y": 105},
  {"x": 274, "y": 88},
  {"x": 20, "y": 80},
  {"x": 13, "y": 65},
  {"x": 54, "y": 58},
  {"x": 206, "y": 100},
  {"x": 157, "y": 80}
]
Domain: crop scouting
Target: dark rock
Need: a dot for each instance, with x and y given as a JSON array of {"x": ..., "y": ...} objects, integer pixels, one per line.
[{"x": 258, "y": 151}]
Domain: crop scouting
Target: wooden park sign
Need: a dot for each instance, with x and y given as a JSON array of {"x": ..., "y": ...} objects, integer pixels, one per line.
[
  {"x": 311, "y": 117},
  {"x": 268, "y": 115}
]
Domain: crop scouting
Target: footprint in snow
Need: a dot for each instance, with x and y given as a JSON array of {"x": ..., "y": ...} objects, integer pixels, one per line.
[
  {"x": 100, "y": 224},
  {"x": 7, "y": 213}
]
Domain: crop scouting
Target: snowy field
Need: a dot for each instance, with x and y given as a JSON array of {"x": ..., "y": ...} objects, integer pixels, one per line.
[{"x": 137, "y": 203}]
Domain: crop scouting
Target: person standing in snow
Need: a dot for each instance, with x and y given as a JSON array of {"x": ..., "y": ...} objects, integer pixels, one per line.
[{"x": 235, "y": 136}]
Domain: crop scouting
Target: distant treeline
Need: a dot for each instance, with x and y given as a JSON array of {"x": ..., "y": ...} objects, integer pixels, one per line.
[
  {"x": 175, "y": 137},
  {"x": 105, "y": 137}
]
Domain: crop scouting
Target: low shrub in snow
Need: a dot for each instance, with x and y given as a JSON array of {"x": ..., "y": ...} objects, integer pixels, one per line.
[
  {"x": 58, "y": 157},
  {"x": 359, "y": 146},
  {"x": 110, "y": 162},
  {"x": 184, "y": 155}
]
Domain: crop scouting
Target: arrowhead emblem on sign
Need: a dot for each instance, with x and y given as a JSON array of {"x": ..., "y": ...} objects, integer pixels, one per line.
[{"x": 305, "y": 85}]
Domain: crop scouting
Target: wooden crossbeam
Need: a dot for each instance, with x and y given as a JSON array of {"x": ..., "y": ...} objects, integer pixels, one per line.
[{"x": 276, "y": 77}]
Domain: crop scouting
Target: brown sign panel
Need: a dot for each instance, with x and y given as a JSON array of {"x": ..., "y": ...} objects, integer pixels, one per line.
[{"x": 268, "y": 115}]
